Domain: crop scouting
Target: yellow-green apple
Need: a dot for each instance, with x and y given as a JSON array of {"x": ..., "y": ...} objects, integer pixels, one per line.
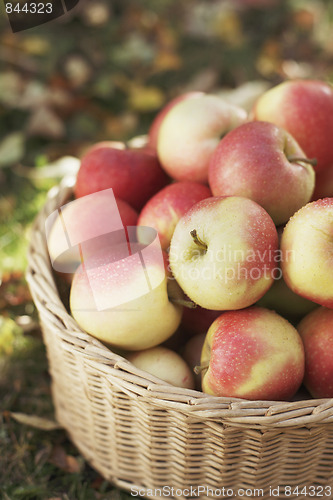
[
  {"x": 324, "y": 184},
  {"x": 316, "y": 331},
  {"x": 165, "y": 208},
  {"x": 307, "y": 258},
  {"x": 305, "y": 109},
  {"x": 262, "y": 161},
  {"x": 120, "y": 295},
  {"x": 156, "y": 123},
  {"x": 222, "y": 252},
  {"x": 192, "y": 355},
  {"x": 190, "y": 132},
  {"x": 284, "y": 301},
  {"x": 133, "y": 174},
  {"x": 164, "y": 364},
  {"x": 95, "y": 219},
  {"x": 253, "y": 353}
]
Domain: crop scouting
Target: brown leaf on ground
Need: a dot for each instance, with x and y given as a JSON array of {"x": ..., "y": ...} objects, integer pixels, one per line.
[
  {"x": 44, "y": 122},
  {"x": 41, "y": 423},
  {"x": 65, "y": 462},
  {"x": 14, "y": 290}
]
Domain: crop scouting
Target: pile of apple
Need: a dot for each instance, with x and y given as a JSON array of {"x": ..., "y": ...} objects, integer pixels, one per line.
[{"x": 242, "y": 206}]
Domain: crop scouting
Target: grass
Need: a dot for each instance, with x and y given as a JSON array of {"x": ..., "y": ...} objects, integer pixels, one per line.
[
  {"x": 37, "y": 460},
  {"x": 39, "y": 464}
]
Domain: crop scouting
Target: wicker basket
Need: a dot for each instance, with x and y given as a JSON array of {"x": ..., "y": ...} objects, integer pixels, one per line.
[{"x": 157, "y": 440}]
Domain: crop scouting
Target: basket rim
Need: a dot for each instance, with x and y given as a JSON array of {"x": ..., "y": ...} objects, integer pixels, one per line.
[{"x": 232, "y": 411}]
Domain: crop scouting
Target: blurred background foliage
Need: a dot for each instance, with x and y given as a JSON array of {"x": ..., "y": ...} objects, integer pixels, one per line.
[{"x": 102, "y": 72}]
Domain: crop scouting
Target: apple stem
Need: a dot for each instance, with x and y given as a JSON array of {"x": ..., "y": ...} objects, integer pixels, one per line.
[
  {"x": 183, "y": 302},
  {"x": 200, "y": 368},
  {"x": 198, "y": 241},
  {"x": 311, "y": 161}
]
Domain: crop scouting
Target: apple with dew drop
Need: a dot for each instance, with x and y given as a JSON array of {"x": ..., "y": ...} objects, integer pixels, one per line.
[
  {"x": 223, "y": 252},
  {"x": 316, "y": 331},
  {"x": 307, "y": 256},
  {"x": 123, "y": 297},
  {"x": 253, "y": 354},
  {"x": 263, "y": 162},
  {"x": 305, "y": 109}
]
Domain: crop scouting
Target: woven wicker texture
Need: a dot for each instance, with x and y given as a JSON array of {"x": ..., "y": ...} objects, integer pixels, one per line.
[{"x": 142, "y": 433}]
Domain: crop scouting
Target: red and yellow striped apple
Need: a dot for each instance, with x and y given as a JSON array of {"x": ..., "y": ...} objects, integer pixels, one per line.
[
  {"x": 305, "y": 109},
  {"x": 307, "y": 257},
  {"x": 260, "y": 161},
  {"x": 253, "y": 354},
  {"x": 316, "y": 331},
  {"x": 222, "y": 252},
  {"x": 124, "y": 297},
  {"x": 165, "y": 208}
]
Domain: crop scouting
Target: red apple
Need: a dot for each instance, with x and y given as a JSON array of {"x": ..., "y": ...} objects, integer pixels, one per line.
[
  {"x": 155, "y": 126},
  {"x": 190, "y": 132},
  {"x": 198, "y": 319},
  {"x": 133, "y": 174},
  {"x": 192, "y": 355},
  {"x": 324, "y": 184},
  {"x": 165, "y": 208},
  {"x": 305, "y": 109},
  {"x": 307, "y": 256},
  {"x": 128, "y": 215},
  {"x": 316, "y": 330},
  {"x": 253, "y": 354},
  {"x": 256, "y": 160}
]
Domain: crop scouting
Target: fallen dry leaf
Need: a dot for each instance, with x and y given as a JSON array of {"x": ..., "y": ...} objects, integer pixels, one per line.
[
  {"x": 41, "y": 423},
  {"x": 44, "y": 122},
  {"x": 11, "y": 149},
  {"x": 65, "y": 462},
  {"x": 147, "y": 98}
]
